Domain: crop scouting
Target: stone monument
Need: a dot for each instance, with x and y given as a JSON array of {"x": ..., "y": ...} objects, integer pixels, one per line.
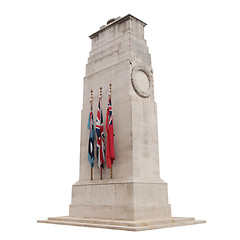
[{"x": 135, "y": 198}]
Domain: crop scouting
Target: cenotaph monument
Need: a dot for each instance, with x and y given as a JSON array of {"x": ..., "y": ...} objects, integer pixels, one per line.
[{"x": 130, "y": 196}]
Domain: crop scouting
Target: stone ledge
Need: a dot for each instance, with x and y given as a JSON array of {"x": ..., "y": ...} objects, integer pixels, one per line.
[
  {"x": 124, "y": 225},
  {"x": 139, "y": 180}
]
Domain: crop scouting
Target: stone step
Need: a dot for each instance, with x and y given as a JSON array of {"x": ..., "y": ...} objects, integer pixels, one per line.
[
  {"x": 123, "y": 225},
  {"x": 121, "y": 222}
]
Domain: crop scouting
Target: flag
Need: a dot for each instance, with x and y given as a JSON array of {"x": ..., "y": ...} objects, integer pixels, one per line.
[
  {"x": 100, "y": 137},
  {"x": 110, "y": 156},
  {"x": 90, "y": 126}
]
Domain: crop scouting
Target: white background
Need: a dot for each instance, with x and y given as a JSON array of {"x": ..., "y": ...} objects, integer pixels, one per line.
[{"x": 195, "y": 48}]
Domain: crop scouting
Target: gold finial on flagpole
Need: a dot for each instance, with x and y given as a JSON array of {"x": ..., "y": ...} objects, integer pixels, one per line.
[{"x": 91, "y": 95}]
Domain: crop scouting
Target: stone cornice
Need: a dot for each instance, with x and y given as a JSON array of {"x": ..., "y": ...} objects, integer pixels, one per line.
[{"x": 117, "y": 21}]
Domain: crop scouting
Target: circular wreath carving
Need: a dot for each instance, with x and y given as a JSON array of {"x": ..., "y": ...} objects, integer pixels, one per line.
[{"x": 135, "y": 81}]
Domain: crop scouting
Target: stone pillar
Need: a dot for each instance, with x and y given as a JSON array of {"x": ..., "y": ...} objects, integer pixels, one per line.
[{"x": 120, "y": 56}]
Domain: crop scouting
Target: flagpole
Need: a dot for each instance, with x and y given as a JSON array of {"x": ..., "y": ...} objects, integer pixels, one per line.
[
  {"x": 100, "y": 126},
  {"x": 110, "y": 93},
  {"x": 91, "y": 105}
]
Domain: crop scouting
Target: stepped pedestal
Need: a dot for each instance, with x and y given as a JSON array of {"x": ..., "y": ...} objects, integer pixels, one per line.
[{"x": 124, "y": 225}]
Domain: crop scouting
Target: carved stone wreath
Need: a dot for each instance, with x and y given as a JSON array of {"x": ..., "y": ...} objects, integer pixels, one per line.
[{"x": 142, "y": 92}]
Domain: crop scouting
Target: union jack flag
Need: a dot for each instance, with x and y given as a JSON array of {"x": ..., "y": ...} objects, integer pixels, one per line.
[
  {"x": 110, "y": 135},
  {"x": 100, "y": 137}
]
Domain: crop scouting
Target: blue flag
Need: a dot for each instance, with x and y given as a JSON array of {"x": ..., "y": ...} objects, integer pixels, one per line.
[{"x": 90, "y": 126}]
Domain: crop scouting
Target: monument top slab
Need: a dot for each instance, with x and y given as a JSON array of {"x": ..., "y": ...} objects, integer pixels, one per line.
[{"x": 114, "y": 21}]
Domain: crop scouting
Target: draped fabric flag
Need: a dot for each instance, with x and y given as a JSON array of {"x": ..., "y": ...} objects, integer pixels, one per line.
[
  {"x": 100, "y": 137},
  {"x": 90, "y": 126},
  {"x": 110, "y": 156}
]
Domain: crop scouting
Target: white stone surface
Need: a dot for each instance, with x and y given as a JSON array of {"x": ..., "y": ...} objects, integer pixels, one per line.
[
  {"x": 142, "y": 80},
  {"x": 136, "y": 192},
  {"x": 124, "y": 225}
]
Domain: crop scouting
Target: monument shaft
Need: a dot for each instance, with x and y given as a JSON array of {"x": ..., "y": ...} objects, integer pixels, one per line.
[{"x": 120, "y": 56}]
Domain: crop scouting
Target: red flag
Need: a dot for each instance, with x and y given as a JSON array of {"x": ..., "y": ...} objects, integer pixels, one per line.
[{"x": 110, "y": 156}]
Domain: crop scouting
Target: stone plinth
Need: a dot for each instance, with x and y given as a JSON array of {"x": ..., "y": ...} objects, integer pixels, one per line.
[
  {"x": 123, "y": 225},
  {"x": 120, "y": 199},
  {"x": 136, "y": 198}
]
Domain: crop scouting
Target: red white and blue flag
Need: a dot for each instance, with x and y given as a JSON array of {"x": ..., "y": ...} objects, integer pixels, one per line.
[
  {"x": 110, "y": 135},
  {"x": 100, "y": 137}
]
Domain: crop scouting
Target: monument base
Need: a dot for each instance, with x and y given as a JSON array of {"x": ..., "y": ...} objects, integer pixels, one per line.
[
  {"x": 125, "y": 204},
  {"x": 120, "y": 199},
  {"x": 137, "y": 225}
]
